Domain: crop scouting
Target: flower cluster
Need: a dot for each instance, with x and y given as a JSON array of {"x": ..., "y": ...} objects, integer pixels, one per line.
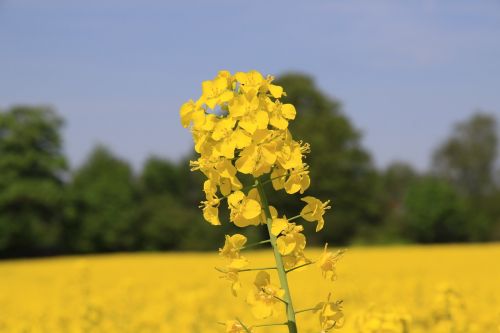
[
  {"x": 239, "y": 125},
  {"x": 240, "y": 131}
]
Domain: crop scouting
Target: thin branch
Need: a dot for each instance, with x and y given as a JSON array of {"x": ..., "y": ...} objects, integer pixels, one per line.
[
  {"x": 300, "y": 266},
  {"x": 273, "y": 324},
  {"x": 256, "y": 244},
  {"x": 244, "y": 270},
  {"x": 305, "y": 310},
  {"x": 243, "y": 325}
]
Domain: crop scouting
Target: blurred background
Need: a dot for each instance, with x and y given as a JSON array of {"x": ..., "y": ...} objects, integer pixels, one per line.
[{"x": 400, "y": 102}]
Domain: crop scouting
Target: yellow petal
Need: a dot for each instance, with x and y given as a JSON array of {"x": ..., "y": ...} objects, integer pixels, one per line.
[
  {"x": 262, "y": 119},
  {"x": 285, "y": 245},
  {"x": 278, "y": 225},
  {"x": 276, "y": 91},
  {"x": 251, "y": 209},
  {"x": 288, "y": 111}
]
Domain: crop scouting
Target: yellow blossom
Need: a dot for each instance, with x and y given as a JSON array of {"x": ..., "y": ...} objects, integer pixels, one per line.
[
  {"x": 245, "y": 210},
  {"x": 298, "y": 181},
  {"x": 314, "y": 211},
  {"x": 232, "y": 276},
  {"x": 232, "y": 246},
  {"x": 191, "y": 112},
  {"x": 216, "y": 92},
  {"x": 233, "y": 326},
  {"x": 250, "y": 81},
  {"x": 330, "y": 315},
  {"x": 265, "y": 297},
  {"x": 327, "y": 262},
  {"x": 280, "y": 114},
  {"x": 258, "y": 158},
  {"x": 211, "y": 213}
]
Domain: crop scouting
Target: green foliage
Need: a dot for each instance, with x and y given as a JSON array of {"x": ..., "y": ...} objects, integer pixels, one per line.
[
  {"x": 31, "y": 190},
  {"x": 467, "y": 158},
  {"x": 435, "y": 212},
  {"x": 104, "y": 204}
]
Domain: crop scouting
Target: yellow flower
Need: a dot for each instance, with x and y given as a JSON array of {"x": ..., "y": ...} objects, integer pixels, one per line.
[
  {"x": 210, "y": 189},
  {"x": 191, "y": 112},
  {"x": 289, "y": 154},
  {"x": 211, "y": 213},
  {"x": 298, "y": 181},
  {"x": 280, "y": 114},
  {"x": 216, "y": 92},
  {"x": 292, "y": 240},
  {"x": 232, "y": 276},
  {"x": 246, "y": 109},
  {"x": 278, "y": 177},
  {"x": 233, "y": 326},
  {"x": 275, "y": 90},
  {"x": 258, "y": 157},
  {"x": 232, "y": 246},
  {"x": 314, "y": 211},
  {"x": 250, "y": 81},
  {"x": 245, "y": 210},
  {"x": 265, "y": 297},
  {"x": 330, "y": 315},
  {"x": 327, "y": 262}
]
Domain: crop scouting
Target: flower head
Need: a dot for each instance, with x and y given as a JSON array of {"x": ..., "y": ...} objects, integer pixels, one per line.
[
  {"x": 314, "y": 211},
  {"x": 327, "y": 263},
  {"x": 330, "y": 314},
  {"x": 265, "y": 297},
  {"x": 233, "y": 326},
  {"x": 245, "y": 210}
]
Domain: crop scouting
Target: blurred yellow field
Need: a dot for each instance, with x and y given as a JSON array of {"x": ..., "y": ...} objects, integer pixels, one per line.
[{"x": 397, "y": 289}]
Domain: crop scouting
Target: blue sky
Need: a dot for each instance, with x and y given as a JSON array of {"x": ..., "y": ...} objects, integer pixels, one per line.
[{"x": 118, "y": 71}]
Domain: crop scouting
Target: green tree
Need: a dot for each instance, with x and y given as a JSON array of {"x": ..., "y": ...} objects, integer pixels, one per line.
[
  {"x": 161, "y": 212},
  {"x": 467, "y": 158},
  {"x": 104, "y": 211},
  {"x": 32, "y": 167},
  {"x": 435, "y": 212},
  {"x": 341, "y": 169}
]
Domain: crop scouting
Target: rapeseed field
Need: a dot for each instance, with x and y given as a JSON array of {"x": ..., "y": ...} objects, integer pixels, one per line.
[{"x": 414, "y": 289}]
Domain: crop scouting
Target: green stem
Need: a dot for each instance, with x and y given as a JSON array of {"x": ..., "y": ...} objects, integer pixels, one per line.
[
  {"x": 300, "y": 266},
  {"x": 243, "y": 325},
  {"x": 290, "y": 313},
  {"x": 256, "y": 244},
  {"x": 246, "y": 269},
  {"x": 274, "y": 324},
  {"x": 305, "y": 310}
]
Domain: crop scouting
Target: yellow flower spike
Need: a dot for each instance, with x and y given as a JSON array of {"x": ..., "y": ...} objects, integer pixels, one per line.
[
  {"x": 243, "y": 209},
  {"x": 246, "y": 131},
  {"x": 314, "y": 211},
  {"x": 265, "y": 297},
  {"x": 327, "y": 263}
]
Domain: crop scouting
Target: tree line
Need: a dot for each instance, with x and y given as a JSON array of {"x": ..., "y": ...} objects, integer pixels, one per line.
[{"x": 103, "y": 206}]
